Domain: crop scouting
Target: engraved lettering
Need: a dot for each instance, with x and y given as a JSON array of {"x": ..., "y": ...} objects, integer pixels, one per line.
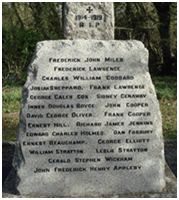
[
  {"x": 112, "y": 105},
  {"x": 104, "y": 150},
  {"x": 127, "y": 167},
  {"x": 39, "y": 170}
]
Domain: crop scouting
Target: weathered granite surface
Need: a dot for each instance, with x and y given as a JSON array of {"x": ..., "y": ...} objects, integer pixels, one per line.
[
  {"x": 170, "y": 169},
  {"x": 170, "y": 191},
  {"x": 107, "y": 73},
  {"x": 89, "y": 20},
  {"x": 8, "y": 149}
]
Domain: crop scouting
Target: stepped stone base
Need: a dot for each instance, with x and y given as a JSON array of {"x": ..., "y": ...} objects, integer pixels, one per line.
[{"x": 170, "y": 190}]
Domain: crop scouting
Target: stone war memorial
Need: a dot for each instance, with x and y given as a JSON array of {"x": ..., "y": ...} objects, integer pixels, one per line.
[{"x": 90, "y": 123}]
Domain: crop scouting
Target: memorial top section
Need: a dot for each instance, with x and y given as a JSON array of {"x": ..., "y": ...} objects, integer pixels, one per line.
[{"x": 89, "y": 20}]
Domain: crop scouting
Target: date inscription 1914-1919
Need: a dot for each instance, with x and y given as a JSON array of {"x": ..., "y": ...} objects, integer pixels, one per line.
[{"x": 91, "y": 18}]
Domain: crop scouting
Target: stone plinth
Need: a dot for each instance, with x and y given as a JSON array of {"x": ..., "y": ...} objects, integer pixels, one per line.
[{"x": 90, "y": 121}]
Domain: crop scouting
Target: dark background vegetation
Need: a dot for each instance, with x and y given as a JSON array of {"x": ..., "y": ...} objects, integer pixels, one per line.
[{"x": 26, "y": 23}]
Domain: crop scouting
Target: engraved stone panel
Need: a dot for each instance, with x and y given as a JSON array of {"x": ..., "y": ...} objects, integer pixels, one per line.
[
  {"x": 89, "y": 20},
  {"x": 90, "y": 121}
]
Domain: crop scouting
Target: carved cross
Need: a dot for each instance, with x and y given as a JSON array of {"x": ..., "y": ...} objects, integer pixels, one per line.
[{"x": 89, "y": 9}]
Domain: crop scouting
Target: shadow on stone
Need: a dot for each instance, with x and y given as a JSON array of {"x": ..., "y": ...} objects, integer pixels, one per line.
[{"x": 5, "y": 172}]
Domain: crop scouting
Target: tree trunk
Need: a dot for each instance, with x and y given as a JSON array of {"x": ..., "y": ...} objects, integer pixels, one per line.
[
  {"x": 164, "y": 29},
  {"x": 17, "y": 14}
]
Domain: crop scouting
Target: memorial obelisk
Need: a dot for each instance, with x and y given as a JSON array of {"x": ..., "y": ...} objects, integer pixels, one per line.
[{"x": 90, "y": 122}]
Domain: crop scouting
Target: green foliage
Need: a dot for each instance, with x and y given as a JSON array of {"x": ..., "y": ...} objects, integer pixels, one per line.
[
  {"x": 9, "y": 136},
  {"x": 144, "y": 21},
  {"x": 166, "y": 87},
  {"x": 169, "y": 118},
  {"x": 10, "y": 127},
  {"x": 47, "y": 19},
  {"x": 25, "y": 24},
  {"x": 11, "y": 99},
  {"x": 12, "y": 95},
  {"x": 18, "y": 47},
  {"x": 10, "y": 109},
  {"x": 6, "y": 109}
]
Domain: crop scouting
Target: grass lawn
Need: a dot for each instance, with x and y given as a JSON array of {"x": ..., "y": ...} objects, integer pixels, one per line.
[{"x": 166, "y": 89}]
